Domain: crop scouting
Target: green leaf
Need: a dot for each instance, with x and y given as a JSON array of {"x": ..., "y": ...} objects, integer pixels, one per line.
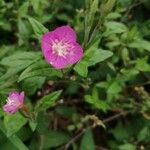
[
  {"x": 40, "y": 68},
  {"x": 140, "y": 44},
  {"x": 87, "y": 142},
  {"x": 113, "y": 15},
  {"x": 66, "y": 112},
  {"x": 4, "y": 50},
  {"x": 142, "y": 64},
  {"x": 14, "y": 122},
  {"x": 99, "y": 56},
  {"x": 38, "y": 28},
  {"x": 127, "y": 147},
  {"x": 100, "y": 104},
  {"x": 22, "y": 12},
  {"x": 20, "y": 58},
  {"x": 14, "y": 139},
  {"x": 24, "y": 32},
  {"x": 106, "y": 7},
  {"x": 5, "y": 84},
  {"x": 33, "y": 125},
  {"x": 17, "y": 62},
  {"x": 144, "y": 134},
  {"x": 36, "y": 5},
  {"x": 48, "y": 101},
  {"x": 30, "y": 85},
  {"x": 120, "y": 132},
  {"x": 114, "y": 27},
  {"x": 92, "y": 7},
  {"x": 55, "y": 138},
  {"x": 114, "y": 88},
  {"x": 91, "y": 58},
  {"x": 82, "y": 68}
]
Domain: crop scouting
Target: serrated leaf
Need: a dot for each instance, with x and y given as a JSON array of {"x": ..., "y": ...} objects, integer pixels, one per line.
[{"x": 47, "y": 101}]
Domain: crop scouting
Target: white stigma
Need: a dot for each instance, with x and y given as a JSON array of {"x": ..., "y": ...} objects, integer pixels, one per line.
[{"x": 60, "y": 48}]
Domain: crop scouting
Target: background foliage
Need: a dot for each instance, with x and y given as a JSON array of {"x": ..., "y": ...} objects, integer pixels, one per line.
[{"x": 102, "y": 102}]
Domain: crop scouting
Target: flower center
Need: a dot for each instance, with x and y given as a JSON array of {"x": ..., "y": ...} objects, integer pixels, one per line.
[{"x": 60, "y": 48}]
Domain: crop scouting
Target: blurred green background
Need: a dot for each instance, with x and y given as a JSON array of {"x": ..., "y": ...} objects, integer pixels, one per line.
[{"x": 105, "y": 99}]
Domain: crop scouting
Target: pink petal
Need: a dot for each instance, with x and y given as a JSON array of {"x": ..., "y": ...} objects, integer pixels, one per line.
[
  {"x": 49, "y": 37},
  {"x": 66, "y": 32},
  {"x": 9, "y": 108},
  {"x": 21, "y": 97},
  {"x": 75, "y": 54},
  {"x": 14, "y": 96},
  {"x": 59, "y": 63}
]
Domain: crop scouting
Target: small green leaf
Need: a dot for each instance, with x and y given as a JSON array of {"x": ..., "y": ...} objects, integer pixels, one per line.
[
  {"x": 55, "y": 138},
  {"x": 144, "y": 134},
  {"x": 91, "y": 58},
  {"x": 47, "y": 101},
  {"x": 99, "y": 56},
  {"x": 114, "y": 88},
  {"x": 33, "y": 125},
  {"x": 81, "y": 68},
  {"x": 143, "y": 65},
  {"x": 13, "y": 123},
  {"x": 22, "y": 12},
  {"x": 127, "y": 147},
  {"x": 38, "y": 28},
  {"x": 87, "y": 142},
  {"x": 120, "y": 132},
  {"x": 24, "y": 32},
  {"x": 100, "y": 104},
  {"x": 140, "y": 44},
  {"x": 115, "y": 27},
  {"x": 106, "y": 7},
  {"x": 113, "y": 15},
  {"x": 30, "y": 85}
]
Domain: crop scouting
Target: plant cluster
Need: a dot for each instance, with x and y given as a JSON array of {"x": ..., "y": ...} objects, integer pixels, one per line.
[{"x": 75, "y": 75}]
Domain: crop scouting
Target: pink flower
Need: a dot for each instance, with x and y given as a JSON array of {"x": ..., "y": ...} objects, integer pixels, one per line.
[
  {"x": 14, "y": 102},
  {"x": 60, "y": 47}
]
